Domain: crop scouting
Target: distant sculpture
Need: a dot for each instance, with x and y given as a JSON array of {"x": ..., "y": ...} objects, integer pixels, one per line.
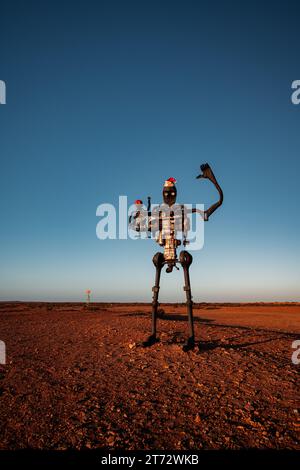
[{"x": 88, "y": 297}]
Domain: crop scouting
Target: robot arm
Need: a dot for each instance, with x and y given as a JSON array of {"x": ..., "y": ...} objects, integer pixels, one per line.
[
  {"x": 136, "y": 219},
  {"x": 140, "y": 219},
  {"x": 208, "y": 173}
]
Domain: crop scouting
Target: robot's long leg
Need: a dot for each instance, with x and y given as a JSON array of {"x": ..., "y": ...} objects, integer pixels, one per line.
[
  {"x": 158, "y": 261},
  {"x": 186, "y": 260},
  {"x": 155, "y": 290}
]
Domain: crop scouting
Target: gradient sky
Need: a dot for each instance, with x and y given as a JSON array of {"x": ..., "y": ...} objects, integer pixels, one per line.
[{"x": 111, "y": 98}]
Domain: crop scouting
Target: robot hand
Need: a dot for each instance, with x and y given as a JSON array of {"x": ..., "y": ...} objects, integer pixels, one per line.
[{"x": 207, "y": 172}]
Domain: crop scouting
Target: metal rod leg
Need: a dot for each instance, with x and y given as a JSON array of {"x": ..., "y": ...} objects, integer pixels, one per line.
[
  {"x": 158, "y": 261},
  {"x": 189, "y": 302},
  {"x": 186, "y": 260},
  {"x": 155, "y": 290}
]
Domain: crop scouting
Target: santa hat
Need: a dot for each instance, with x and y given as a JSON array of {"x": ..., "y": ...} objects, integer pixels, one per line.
[{"x": 170, "y": 182}]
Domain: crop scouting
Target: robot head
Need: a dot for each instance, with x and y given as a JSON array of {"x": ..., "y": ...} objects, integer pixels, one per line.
[{"x": 169, "y": 192}]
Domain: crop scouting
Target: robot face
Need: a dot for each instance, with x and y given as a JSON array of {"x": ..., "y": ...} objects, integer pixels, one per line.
[{"x": 169, "y": 195}]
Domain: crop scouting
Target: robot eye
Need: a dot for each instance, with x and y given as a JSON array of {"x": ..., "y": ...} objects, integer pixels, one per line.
[{"x": 173, "y": 194}]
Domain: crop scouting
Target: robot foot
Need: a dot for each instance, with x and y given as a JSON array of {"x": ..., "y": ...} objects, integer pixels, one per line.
[
  {"x": 189, "y": 345},
  {"x": 150, "y": 341}
]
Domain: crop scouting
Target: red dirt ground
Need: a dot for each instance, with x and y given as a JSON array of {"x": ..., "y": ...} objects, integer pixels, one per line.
[{"x": 79, "y": 378}]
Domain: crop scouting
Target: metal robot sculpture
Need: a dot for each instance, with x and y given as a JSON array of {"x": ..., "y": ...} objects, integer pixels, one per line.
[{"x": 165, "y": 221}]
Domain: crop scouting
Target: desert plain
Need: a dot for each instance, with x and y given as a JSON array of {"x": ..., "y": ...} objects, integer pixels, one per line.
[{"x": 78, "y": 377}]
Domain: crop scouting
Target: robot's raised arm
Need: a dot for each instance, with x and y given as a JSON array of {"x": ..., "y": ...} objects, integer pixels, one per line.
[
  {"x": 137, "y": 218},
  {"x": 208, "y": 173},
  {"x": 140, "y": 219}
]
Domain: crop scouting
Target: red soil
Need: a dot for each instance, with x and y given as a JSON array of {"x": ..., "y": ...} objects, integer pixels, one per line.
[{"x": 78, "y": 378}]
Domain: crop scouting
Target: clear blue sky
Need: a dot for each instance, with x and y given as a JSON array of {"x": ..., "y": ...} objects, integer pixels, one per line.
[{"x": 111, "y": 98}]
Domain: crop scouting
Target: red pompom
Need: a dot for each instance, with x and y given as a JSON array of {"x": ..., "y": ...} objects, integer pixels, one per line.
[
  {"x": 138, "y": 201},
  {"x": 172, "y": 180}
]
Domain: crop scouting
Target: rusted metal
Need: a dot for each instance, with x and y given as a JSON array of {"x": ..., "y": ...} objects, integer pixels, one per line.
[{"x": 165, "y": 220}]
